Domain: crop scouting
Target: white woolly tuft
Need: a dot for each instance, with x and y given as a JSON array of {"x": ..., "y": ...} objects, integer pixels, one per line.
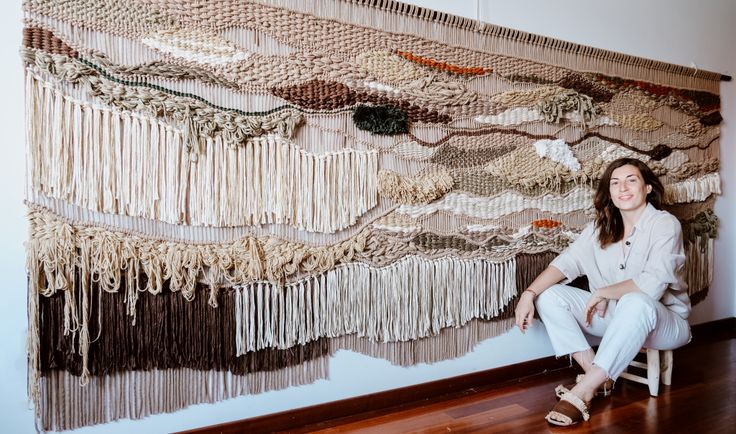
[{"x": 559, "y": 151}]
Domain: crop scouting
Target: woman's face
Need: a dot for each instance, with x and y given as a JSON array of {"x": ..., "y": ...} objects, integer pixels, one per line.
[{"x": 627, "y": 188}]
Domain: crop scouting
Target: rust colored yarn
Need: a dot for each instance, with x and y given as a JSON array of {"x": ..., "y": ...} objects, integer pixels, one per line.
[
  {"x": 431, "y": 63},
  {"x": 545, "y": 224}
]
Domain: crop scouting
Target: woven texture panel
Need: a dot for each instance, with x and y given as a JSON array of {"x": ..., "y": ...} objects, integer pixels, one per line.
[{"x": 222, "y": 194}]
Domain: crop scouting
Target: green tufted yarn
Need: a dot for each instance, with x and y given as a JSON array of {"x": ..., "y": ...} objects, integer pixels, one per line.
[{"x": 381, "y": 119}]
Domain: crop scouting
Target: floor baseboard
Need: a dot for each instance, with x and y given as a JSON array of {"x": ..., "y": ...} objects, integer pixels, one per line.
[{"x": 421, "y": 394}]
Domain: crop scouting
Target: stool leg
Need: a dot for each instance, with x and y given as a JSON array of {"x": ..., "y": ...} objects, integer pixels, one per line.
[
  {"x": 653, "y": 371},
  {"x": 666, "y": 367}
]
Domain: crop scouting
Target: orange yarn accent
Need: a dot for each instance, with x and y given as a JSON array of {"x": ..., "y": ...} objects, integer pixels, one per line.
[
  {"x": 545, "y": 223},
  {"x": 425, "y": 61}
]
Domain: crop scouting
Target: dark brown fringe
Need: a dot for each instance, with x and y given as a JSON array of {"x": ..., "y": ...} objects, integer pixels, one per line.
[
  {"x": 529, "y": 266},
  {"x": 699, "y": 296},
  {"x": 170, "y": 333}
]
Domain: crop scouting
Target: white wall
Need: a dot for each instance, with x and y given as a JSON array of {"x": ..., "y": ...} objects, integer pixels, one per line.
[{"x": 677, "y": 31}]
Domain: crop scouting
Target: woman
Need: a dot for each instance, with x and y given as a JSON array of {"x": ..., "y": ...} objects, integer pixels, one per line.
[{"x": 633, "y": 257}]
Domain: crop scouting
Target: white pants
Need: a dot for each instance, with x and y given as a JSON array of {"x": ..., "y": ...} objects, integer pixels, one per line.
[{"x": 634, "y": 321}]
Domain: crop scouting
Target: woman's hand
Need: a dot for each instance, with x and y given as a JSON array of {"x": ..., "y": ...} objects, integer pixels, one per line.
[
  {"x": 596, "y": 304},
  {"x": 525, "y": 310}
]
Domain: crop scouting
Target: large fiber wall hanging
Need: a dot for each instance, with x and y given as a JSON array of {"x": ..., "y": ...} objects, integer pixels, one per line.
[{"x": 222, "y": 194}]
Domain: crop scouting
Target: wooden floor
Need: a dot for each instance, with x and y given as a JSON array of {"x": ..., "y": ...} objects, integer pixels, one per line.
[{"x": 702, "y": 399}]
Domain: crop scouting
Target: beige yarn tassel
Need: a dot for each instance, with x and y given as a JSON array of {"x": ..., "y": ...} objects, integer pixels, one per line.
[
  {"x": 33, "y": 338},
  {"x": 84, "y": 338},
  {"x": 699, "y": 264},
  {"x": 450, "y": 343},
  {"x": 693, "y": 190},
  {"x": 410, "y": 299},
  {"x": 137, "y": 394},
  {"x": 128, "y": 163}
]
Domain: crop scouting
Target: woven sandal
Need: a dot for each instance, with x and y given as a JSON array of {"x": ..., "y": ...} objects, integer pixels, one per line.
[
  {"x": 569, "y": 410},
  {"x": 605, "y": 389}
]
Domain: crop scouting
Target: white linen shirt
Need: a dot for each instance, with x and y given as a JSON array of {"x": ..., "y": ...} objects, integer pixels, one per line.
[{"x": 655, "y": 260}]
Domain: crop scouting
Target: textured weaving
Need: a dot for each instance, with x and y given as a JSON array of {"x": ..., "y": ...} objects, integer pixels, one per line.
[{"x": 222, "y": 194}]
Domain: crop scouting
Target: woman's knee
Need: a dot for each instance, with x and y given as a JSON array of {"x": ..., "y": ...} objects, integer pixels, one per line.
[
  {"x": 552, "y": 297},
  {"x": 637, "y": 304}
]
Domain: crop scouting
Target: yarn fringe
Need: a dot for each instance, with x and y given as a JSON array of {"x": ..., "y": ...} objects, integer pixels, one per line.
[
  {"x": 138, "y": 394},
  {"x": 33, "y": 340},
  {"x": 170, "y": 332},
  {"x": 199, "y": 118},
  {"x": 699, "y": 267},
  {"x": 693, "y": 190},
  {"x": 60, "y": 252},
  {"x": 65, "y": 404},
  {"x": 409, "y": 299},
  {"x": 450, "y": 343},
  {"x": 125, "y": 163}
]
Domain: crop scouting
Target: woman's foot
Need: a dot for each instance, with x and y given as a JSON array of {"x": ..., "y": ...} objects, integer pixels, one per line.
[
  {"x": 573, "y": 404},
  {"x": 569, "y": 410},
  {"x": 604, "y": 390}
]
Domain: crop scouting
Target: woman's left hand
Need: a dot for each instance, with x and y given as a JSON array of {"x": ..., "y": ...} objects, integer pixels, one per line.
[{"x": 596, "y": 303}]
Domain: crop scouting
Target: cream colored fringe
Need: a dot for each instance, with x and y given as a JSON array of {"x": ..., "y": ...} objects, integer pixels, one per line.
[
  {"x": 159, "y": 230},
  {"x": 66, "y": 405},
  {"x": 450, "y": 343},
  {"x": 33, "y": 339},
  {"x": 409, "y": 299},
  {"x": 693, "y": 190},
  {"x": 60, "y": 251},
  {"x": 699, "y": 265},
  {"x": 126, "y": 163}
]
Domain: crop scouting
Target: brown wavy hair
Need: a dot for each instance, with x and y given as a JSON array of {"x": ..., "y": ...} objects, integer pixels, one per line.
[{"x": 608, "y": 218}]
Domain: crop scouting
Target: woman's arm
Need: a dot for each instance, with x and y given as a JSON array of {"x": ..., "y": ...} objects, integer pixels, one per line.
[
  {"x": 617, "y": 290},
  {"x": 525, "y": 307},
  {"x": 599, "y": 299},
  {"x": 546, "y": 278},
  {"x": 568, "y": 265}
]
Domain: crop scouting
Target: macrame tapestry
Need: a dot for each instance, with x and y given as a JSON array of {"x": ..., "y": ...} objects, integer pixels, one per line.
[{"x": 223, "y": 193}]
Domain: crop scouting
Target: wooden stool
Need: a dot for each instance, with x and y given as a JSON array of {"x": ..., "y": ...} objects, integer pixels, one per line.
[{"x": 657, "y": 369}]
